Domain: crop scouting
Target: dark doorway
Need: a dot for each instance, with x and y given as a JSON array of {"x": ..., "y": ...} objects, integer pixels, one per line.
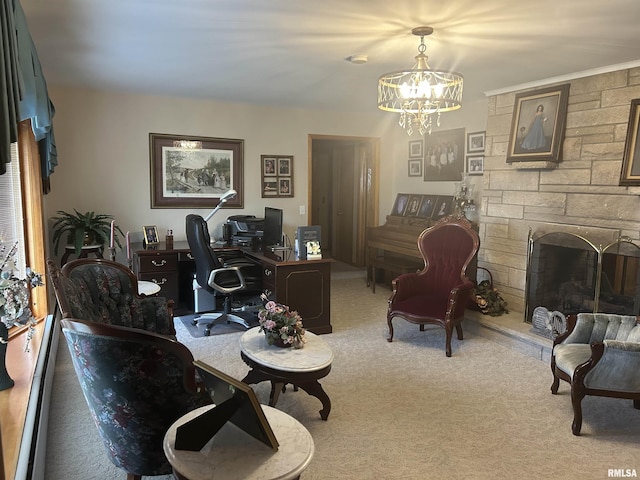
[{"x": 344, "y": 193}]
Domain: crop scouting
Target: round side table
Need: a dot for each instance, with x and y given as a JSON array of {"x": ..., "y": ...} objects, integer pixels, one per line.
[
  {"x": 84, "y": 252},
  {"x": 300, "y": 367},
  {"x": 147, "y": 288},
  {"x": 233, "y": 454}
]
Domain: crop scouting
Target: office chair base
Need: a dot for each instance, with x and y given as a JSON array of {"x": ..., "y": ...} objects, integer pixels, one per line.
[{"x": 220, "y": 318}]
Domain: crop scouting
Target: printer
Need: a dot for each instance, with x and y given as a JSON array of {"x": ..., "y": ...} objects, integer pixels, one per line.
[{"x": 243, "y": 230}]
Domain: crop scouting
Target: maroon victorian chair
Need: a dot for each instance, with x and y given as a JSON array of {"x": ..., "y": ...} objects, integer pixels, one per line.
[{"x": 438, "y": 293}]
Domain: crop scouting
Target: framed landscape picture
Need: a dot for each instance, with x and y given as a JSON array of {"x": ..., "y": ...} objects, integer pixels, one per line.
[{"x": 194, "y": 172}]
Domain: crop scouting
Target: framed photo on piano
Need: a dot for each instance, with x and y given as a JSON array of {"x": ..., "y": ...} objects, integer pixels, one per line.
[{"x": 400, "y": 205}]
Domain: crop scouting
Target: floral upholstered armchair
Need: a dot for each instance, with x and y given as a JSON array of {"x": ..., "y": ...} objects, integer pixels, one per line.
[
  {"x": 599, "y": 355},
  {"x": 103, "y": 291},
  {"x": 136, "y": 384}
]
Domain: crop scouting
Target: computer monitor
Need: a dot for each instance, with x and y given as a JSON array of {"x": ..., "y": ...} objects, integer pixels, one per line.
[{"x": 272, "y": 236}]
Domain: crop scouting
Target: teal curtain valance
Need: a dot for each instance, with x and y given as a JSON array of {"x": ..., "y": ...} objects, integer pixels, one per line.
[{"x": 23, "y": 94}]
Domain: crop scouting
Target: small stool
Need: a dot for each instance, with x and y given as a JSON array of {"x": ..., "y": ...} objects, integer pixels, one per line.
[{"x": 84, "y": 252}]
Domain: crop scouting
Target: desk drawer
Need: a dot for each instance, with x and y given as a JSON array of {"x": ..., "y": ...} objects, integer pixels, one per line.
[{"x": 163, "y": 262}]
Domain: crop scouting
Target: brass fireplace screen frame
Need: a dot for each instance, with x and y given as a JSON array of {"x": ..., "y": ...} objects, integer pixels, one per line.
[{"x": 623, "y": 248}]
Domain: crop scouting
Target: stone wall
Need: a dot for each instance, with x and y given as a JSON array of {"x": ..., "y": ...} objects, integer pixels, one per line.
[{"x": 580, "y": 195}]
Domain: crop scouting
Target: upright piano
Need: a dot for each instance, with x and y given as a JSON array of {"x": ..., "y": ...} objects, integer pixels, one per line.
[{"x": 393, "y": 247}]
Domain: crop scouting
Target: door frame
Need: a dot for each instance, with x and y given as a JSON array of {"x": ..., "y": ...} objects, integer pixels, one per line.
[{"x": 367, "y": 183}]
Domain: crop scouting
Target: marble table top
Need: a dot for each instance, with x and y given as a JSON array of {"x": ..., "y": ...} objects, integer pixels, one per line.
[
  {"x": 147, "y": 288},
  {"x": 315, "y": 355},
  {"x": 233, "y": 454}
]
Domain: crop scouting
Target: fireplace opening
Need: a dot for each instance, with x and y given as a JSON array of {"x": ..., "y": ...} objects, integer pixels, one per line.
[{"x": 569, "y": 274}]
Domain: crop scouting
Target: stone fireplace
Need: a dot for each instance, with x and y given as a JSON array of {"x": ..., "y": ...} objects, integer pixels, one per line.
[{"x": 578, "y": 196}]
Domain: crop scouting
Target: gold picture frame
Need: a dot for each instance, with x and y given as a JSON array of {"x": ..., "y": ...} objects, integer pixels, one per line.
[
  {"x": 150, "y": 233},
  {"x": 538, "y": 124},
  {"x": 630, "y": 173}
]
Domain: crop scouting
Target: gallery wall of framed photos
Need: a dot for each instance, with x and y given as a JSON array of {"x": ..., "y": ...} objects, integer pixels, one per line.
[{"x": 277, "y": 175}]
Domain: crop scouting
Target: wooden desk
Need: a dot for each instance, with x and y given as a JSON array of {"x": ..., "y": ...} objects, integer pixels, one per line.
[{"x": 304, "y": 285}]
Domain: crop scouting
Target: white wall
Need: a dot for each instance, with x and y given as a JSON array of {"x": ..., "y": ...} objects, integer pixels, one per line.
[{"x": 103, "y": 152}]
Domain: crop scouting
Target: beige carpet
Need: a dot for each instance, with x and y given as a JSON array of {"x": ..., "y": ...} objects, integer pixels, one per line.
[{"x": 400, "y": 410}]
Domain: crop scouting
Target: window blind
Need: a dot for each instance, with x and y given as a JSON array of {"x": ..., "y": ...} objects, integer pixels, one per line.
[{"x": 11, "y": 218}]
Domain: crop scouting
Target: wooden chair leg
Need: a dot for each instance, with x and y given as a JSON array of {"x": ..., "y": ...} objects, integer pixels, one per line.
[
  {"x": 576, "y": 402},
  {"x": 131, "y": 476},
  {"x": 390, "y": 337},
  {"x": 636, "y": 403}
]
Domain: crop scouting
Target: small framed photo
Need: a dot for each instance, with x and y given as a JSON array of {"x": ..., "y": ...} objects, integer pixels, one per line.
[
  {"x": 269, "y": 167},
  {"x": 415, "y": 167},
  {"x": 415, "y": 149},
  {"x": 630, "y": 174},
  {"x": 400, "y": 204},
  {"x": 150, "y": 235},
  {"x": 426, "y": 206},
  {"x": 413, "y": 206},
  {"x": 284, "y": 187},
  {"x": 277, "y": 175},
  {"x": 284, "y": 167},
  {"x": 475, "y": 164},
  {"x": 443, "y": 206},
  {"x": 475, "y": 142}
]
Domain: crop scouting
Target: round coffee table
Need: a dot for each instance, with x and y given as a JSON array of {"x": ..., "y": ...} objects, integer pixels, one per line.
[
  {"x": 300, "y": 367},
  {"x": 233, "y": 454}
]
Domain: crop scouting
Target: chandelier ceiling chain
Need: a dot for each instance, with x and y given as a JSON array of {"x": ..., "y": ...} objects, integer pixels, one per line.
[{"x": 420, "y": 93}]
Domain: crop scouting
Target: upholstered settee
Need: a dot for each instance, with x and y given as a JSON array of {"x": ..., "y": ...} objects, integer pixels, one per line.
[
  {"x": 599, "y": 354},
  {"x": 103, "y": 291}
]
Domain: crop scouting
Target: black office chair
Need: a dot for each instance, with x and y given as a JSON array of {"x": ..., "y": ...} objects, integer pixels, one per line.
[{"x": 213, "y": 276}]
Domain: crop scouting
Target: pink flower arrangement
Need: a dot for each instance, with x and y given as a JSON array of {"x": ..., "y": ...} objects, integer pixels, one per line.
[{"x": 280, "y": 324}]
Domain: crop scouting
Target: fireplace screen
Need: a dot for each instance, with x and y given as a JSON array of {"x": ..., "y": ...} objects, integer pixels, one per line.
[{"x": 568, "y": 273}]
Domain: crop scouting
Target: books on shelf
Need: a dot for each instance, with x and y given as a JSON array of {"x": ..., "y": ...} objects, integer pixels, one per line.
[{"x": 307, "y": 242}]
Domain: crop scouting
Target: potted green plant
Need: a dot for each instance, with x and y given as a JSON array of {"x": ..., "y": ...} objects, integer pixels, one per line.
[{"x": 82, "y": 229}]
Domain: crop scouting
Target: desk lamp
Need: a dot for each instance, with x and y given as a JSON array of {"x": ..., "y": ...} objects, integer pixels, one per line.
[{"x": 223, "y": 199}]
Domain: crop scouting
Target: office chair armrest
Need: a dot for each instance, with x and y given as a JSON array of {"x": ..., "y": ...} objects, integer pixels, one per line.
[{"x": 220, "y": 272}]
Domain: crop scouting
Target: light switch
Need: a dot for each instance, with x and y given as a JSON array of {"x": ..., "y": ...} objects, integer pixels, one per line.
[{"x": 303, "y": 210}]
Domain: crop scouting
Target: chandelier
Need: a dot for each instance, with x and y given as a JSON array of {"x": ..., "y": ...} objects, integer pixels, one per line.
[{"x": 420, "y": 93}]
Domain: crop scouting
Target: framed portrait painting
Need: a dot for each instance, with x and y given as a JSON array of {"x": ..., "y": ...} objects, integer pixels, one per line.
[
  {"x": 630, "y": 174},
  {"x": 194, "y": 172},
  {"x": 277, "y": 175},
  {"x": 537, "y": 127},
  {"x": 444, "y": 155}
]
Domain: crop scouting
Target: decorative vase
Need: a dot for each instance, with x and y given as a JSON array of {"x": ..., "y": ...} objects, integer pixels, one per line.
[
  {"x": 278, "y": 342},
  {"x": 5, "y": 380}
]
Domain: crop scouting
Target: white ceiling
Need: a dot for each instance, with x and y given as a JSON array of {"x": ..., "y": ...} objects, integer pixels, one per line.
[{"x": 292, "y": 52}]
